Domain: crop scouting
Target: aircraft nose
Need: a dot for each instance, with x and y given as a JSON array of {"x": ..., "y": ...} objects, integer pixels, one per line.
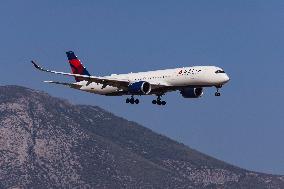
[{"x": 226, "y": 78}]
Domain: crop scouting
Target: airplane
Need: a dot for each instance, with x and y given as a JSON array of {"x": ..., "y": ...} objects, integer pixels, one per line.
[{"x": 189, "y": 81}]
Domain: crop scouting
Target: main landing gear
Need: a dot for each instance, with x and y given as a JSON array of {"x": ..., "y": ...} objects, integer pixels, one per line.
[
  {"x": 217, "y": 92},
  {"x": 132, "y": 100},
  {"x": 158, "y": 101}
]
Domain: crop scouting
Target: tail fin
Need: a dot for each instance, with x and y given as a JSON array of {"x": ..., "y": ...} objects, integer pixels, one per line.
[{"x": 76, "y": 65}]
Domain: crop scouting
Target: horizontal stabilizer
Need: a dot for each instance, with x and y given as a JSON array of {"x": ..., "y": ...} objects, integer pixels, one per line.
[{"x": 72, "y": 85}]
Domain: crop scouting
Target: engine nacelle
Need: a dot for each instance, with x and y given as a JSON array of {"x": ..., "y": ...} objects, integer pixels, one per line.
[
  {"x": 140, "y": 88},
  {"x": 191, "y": 92}
]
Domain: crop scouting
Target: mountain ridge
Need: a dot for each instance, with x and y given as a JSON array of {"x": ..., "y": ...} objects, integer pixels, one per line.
[{"x": 48, "y": 142}]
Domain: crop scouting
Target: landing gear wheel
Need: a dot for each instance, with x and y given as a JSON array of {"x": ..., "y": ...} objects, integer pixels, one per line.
[
  {"x": 132, "y": 100},
  {"x": 159, "y": 102},
  {"x": 217, "y": 94},
  {"x": 136, "y": 101}
]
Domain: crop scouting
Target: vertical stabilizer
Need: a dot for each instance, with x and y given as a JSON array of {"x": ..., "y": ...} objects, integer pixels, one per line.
[{"x": 76, "y": 65}]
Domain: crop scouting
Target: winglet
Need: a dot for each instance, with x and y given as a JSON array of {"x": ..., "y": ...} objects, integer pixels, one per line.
[{"x": 35, "y": 65}]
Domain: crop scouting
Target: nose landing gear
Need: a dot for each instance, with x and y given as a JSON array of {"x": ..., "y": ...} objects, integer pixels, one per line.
[
  {"x": 132, "y": 100},
  {"x": 217, "y": 92}
]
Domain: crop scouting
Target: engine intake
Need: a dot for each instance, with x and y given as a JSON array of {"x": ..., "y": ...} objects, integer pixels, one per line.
[
  {"x": 191, "y": 92},
  {"x": 140, "y": 88}
]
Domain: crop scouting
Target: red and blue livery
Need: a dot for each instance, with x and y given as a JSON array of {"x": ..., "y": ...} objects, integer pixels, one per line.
[{"x": 76, "y": 65}]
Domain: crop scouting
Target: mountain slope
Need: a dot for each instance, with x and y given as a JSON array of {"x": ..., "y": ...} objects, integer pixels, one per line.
[{"x": 46, "y": 142}]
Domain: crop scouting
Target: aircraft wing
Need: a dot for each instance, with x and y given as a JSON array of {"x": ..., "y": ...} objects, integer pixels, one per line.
[
  {"x": 119, "y": 83},
  {"x": 122, "y": 84}
]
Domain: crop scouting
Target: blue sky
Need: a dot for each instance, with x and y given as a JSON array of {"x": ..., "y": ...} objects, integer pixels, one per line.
[{"x": 244, "y": 127}]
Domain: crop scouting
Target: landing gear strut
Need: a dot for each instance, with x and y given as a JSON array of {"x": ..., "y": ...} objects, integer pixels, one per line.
[
  {"x": 217, "y": 92},
  {"x": 132, "y": 100},
  {"x": 158, "y": 101}
]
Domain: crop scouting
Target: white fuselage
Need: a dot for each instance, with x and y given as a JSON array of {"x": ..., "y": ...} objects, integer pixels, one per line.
[{"x": 196, "y": 76}]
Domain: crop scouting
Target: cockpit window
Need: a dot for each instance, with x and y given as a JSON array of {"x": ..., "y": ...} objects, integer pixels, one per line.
[{"x": 220, "y": 71}]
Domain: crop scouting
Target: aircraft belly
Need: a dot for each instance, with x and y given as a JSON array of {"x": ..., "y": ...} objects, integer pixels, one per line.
[{"x": 99, "y": 89}]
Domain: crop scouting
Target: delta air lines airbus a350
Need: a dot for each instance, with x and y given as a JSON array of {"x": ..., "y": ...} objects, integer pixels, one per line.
[{"x": 189, "y": 81}]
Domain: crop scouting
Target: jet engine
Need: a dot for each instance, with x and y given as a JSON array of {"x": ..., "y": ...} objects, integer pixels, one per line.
[
  {"x": 191, "y": 92},
  {"x": 140, "y": 88}
]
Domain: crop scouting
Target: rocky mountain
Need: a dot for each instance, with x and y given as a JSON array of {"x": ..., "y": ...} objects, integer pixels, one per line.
[{"x": 46, "y": 142}]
